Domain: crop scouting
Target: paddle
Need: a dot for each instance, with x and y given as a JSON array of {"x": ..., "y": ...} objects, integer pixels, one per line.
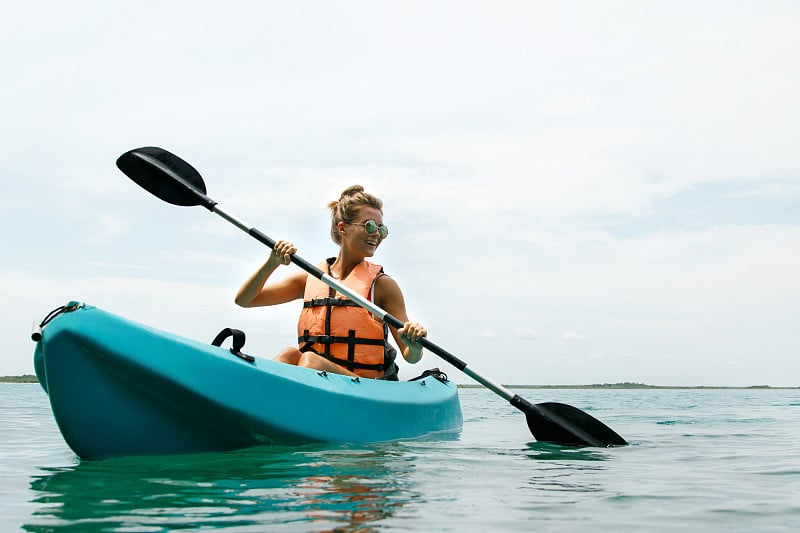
[{"x": 175, "y": 181}]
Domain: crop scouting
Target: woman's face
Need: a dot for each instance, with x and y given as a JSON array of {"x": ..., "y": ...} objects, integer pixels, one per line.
[{"x": 356, "y": 238}]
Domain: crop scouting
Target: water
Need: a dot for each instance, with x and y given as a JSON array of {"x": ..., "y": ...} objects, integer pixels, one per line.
[{"x": 699, "y": 460}]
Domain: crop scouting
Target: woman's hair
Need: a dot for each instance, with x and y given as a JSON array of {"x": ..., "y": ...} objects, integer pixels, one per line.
[{"x": 346, "y": 208}]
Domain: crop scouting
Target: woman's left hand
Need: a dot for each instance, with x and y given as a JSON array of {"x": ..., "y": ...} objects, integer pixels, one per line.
[{"x": 411, "y": 332}]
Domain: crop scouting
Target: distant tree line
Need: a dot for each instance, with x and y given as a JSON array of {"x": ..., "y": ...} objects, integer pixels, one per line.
[
  {"x": 25, "y": 378},
  {"x": 625, "y": 385}
]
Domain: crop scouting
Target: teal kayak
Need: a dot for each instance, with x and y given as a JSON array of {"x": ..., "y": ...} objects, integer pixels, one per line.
[{"x": 117, "y": 387}]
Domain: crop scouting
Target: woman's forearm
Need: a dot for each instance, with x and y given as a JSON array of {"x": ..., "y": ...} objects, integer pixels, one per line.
[{"x": 251, "y": 288}]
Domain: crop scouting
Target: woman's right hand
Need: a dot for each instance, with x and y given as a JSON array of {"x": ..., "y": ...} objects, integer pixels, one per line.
[
  {"x": 281, "y": 252},
  {"x": 254, "y": 292}
]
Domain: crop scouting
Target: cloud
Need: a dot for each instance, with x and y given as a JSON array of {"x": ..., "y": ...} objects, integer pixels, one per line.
[
  {"x": 572, "y": 336},
  {"x": 782, "y": 191}
]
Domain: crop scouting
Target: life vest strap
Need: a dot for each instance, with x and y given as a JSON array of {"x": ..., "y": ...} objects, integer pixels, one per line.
[
  {"x": 351, "y": 365},
  {"x": 332, "y": 302},
  {"x": 351, "y": 342},
  {"x": 331, "y": 339}
]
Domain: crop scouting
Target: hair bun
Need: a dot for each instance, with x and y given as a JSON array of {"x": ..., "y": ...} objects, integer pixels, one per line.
[{"x": 351, "y": 191}]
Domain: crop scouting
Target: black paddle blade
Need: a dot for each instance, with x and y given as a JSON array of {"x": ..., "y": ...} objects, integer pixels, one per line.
[
  {"x": 563, "y": 424},
  {"x": 164, "y": 175}
]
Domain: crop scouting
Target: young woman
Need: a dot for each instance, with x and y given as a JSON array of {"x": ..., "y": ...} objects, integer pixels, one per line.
[{"x": 334, "y": 333}]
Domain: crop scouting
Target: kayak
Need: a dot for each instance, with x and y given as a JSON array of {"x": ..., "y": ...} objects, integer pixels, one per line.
[{"x": 117, "y": 388}]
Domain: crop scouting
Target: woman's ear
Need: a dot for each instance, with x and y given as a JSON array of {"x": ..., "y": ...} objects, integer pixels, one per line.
[{"x": 340, "y": 227}]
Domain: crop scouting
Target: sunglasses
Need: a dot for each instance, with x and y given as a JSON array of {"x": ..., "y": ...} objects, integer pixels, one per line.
[{"x": 372, "y": 227}]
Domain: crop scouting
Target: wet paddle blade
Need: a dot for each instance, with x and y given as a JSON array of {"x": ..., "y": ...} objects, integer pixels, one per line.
[
  {"x": 563, "y": 424},
  {"x": 164, "y": 175}
]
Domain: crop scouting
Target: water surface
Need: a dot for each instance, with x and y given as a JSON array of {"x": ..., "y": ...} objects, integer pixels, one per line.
[{"x": 699, "y": 460}]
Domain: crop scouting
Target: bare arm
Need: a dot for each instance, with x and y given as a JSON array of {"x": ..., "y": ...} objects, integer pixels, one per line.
[
  {"x": 389, "y": 297},
  {"x": 255, "y": 292}
]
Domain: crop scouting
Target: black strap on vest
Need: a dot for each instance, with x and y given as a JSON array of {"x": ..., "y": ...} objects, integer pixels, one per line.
[
  {"x": 335, "y": 302},
  {"x": 351, "y": 340},
  {"x": 238, "y": 343}
]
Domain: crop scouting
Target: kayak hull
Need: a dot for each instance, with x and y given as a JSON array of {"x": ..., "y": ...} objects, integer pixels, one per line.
[{"x": 119, "y": 388}]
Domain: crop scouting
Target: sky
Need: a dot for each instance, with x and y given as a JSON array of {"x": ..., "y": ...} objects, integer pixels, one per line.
[{"x": 578, "y": 192}]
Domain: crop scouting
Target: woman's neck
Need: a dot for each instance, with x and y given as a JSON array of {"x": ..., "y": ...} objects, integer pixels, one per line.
[{"x": 343, "y": 265}]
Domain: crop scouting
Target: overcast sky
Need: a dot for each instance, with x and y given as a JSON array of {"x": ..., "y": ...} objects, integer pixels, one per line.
[{"x": 578, "y": 192}]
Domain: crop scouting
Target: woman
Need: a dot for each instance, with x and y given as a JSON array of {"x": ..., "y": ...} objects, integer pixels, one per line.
[{"x": 334, "y": 333}]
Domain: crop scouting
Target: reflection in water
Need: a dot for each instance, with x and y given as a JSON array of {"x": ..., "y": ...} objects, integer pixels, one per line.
[
  {"x": 316, "y": 488},
  {"x": 568, "y": 471},
  {"x": 546, "y": 451}
]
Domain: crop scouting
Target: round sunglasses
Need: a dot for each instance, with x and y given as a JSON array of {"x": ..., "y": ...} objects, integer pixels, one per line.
[{"x": 372, "y": 227}]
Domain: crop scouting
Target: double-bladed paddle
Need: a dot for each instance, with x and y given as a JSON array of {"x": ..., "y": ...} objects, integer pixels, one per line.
[{"x": 175, "y": 181}]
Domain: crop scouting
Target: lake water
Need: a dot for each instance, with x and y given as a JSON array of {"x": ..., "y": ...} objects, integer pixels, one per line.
[{"x": 699, "y": 460}]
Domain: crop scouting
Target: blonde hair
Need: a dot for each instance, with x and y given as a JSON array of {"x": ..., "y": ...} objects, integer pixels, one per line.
[{"x": 346, "y": 208}]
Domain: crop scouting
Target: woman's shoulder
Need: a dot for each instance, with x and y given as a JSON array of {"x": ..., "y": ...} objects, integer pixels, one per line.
[{"x": 385, "y": 285}]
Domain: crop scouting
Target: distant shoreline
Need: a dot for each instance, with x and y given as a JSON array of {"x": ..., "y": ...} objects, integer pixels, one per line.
[
  {"x": 637, "y": 386},
  {"x": 30, "y": 378},
  {"x": 25, "y": 378}
]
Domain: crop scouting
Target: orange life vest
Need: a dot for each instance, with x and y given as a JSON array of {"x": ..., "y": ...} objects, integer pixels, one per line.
[{"x": 338, "y": 329}]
